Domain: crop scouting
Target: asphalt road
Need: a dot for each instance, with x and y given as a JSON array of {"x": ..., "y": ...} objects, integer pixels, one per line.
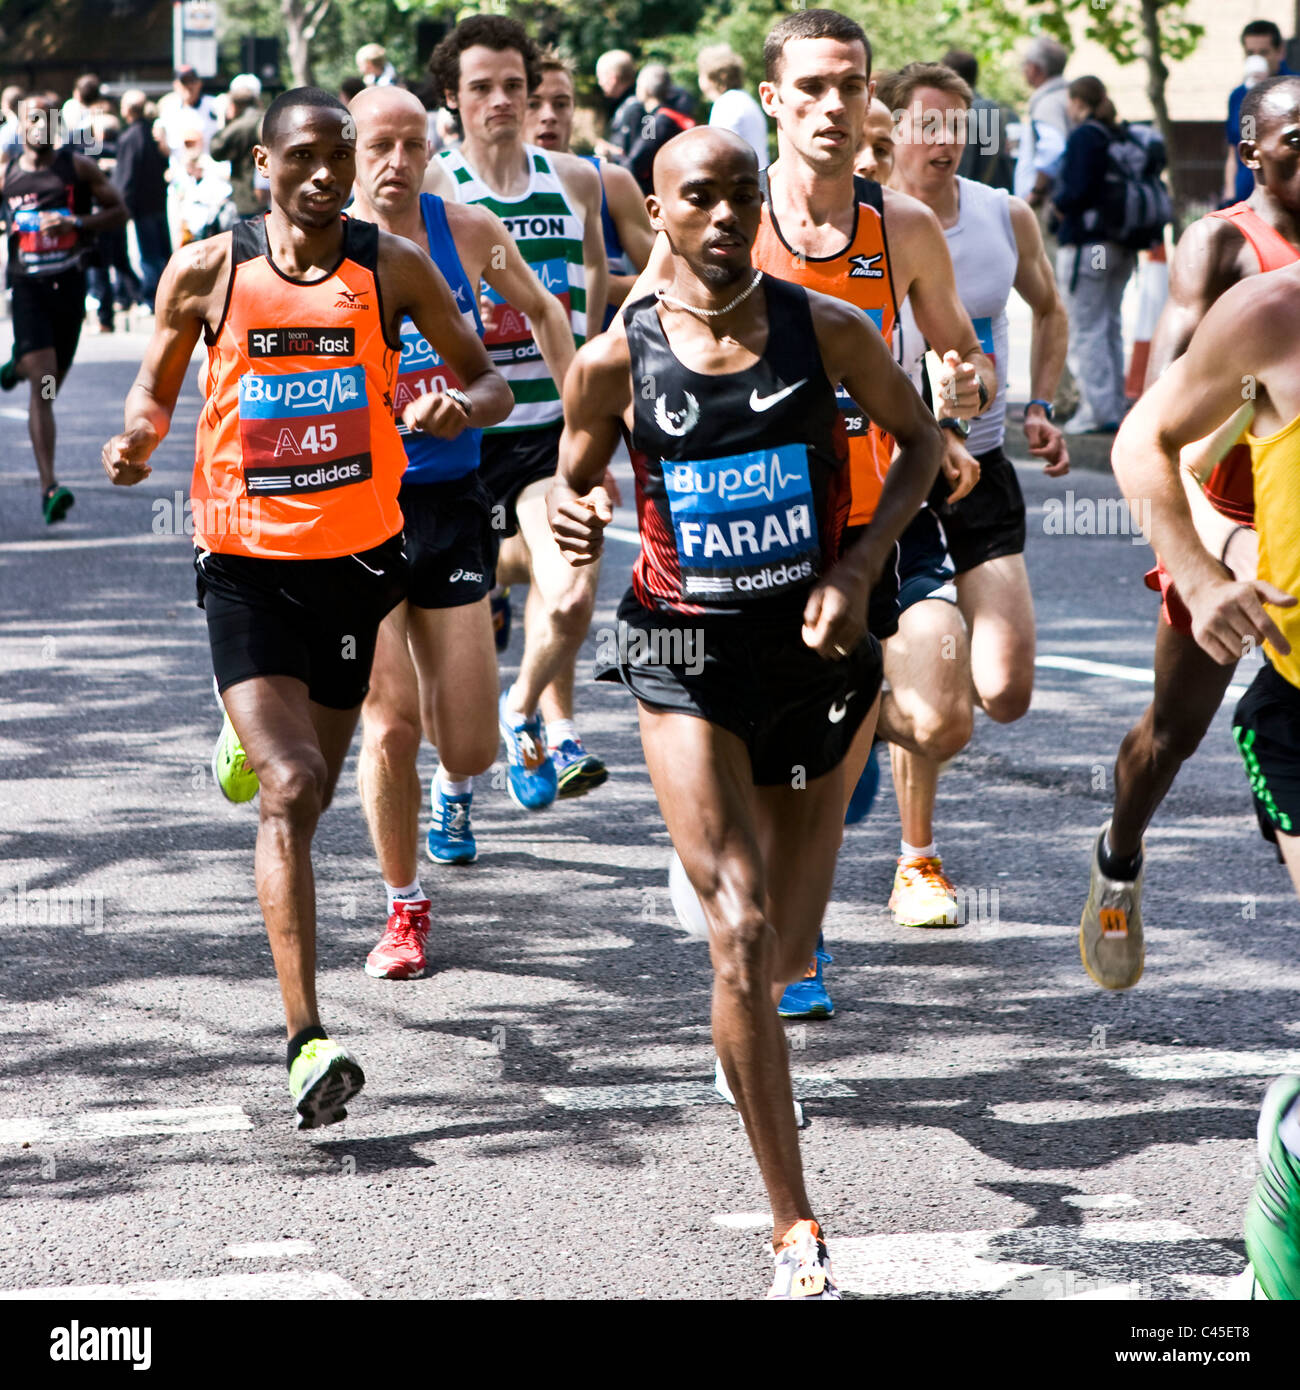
[{"x": 539, "y": 1119}]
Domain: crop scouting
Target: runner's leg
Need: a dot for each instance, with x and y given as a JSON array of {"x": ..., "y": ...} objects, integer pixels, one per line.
[
  {"x": 40, "y": 368},
  {"x": 1189, "y": 688},
  {"x": 296, "y": 748},
  {"x": 719, "y": 822},
  {"x": 454, "y": 653},
  {"x": 387, "y": 775},
  {"x": 999, "y": 609}
]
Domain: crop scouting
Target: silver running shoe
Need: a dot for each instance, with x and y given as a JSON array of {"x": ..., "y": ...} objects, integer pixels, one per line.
[
  {"x": 803, "y": 1268},
  {"x": 1110, "y": 931}
]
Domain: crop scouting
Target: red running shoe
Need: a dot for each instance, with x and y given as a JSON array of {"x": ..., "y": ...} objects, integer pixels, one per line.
[{"x": 399, "y": 954}]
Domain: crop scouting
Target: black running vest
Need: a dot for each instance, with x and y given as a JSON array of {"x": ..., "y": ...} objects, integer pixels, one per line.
[{"x": 742, "y": 484}]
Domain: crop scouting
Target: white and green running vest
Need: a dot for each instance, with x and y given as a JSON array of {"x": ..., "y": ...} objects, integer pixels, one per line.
[{"x": 548, "y": 233}]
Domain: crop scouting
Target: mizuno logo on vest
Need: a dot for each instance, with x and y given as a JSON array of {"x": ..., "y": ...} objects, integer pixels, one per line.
[
  {"x": 348, "y": 300},
  {"x": 866, "y": 267}
]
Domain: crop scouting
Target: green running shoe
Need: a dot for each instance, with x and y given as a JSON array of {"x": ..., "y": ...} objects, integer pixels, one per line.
[
  {"x": 55, "y": 504},
  {"x": 323, "y": 1078},
  {"x": 238, "y": 781},
  {"x": 1273, "y": 1212}
]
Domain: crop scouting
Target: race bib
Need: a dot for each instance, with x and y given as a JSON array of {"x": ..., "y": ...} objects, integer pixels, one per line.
[
  {"x": 421, "y": 372},
  {"x": 304, "y": 431},
  {"x": 507, "y": 333},
  {"x": 745, "y": 526},
  {"x": 40, "y": 250}
]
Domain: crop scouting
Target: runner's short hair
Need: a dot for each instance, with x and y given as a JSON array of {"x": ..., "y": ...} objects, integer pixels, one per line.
[
  {"x": 315, "y": 98},
  {"x": 910, "y": 79},
  {"x": 495, "y": 31},
  {"x": 810, "y": 24},
  {"x": 1253, "y": 102}
]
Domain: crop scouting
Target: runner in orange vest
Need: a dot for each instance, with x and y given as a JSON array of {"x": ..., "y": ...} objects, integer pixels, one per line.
[{"x": 296, "y": 521}]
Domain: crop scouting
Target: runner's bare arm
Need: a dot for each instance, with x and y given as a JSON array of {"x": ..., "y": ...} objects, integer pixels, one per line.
[
  {"x": 412, "y": 285},
  {"x": 438, "y": 180},
  {"x": 597, "y": 403},
  {"x": 857, "y": 356},
  {"x": 943, "y": 322},
  {"x": 1036, "y": 285},
  {"x": 112, "y": 210},
  {"x": 635, "y": 234},
  {"x": 583, "y": 184},
  {"x": 1205, "y": 264},
  {"x": 187, "y": 289},
  {"x": 1195, "y": 395},
  {"x": 509, "y": 275}
]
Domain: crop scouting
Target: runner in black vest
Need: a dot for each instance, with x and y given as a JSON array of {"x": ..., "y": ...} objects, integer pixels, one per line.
[
  {"x": 47, "y": 198},
  {"x": 744, "y": 635}
]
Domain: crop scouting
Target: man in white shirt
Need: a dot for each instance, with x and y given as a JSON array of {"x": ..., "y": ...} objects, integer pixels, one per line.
[
  {"x": 721, "y": 73},
  {"x": 1046, "y": 123},
  {"x": 184, "y": 109}
]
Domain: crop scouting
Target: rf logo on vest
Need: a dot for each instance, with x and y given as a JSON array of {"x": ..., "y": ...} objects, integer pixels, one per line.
[{"x": 866, "y": 267}]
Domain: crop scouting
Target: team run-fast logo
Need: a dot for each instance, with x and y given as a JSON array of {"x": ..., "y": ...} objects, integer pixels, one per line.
[{"x": 302, "y": 342}]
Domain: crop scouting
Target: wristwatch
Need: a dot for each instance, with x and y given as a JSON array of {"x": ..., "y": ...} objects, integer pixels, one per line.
[
  {"x": 461, "y": 400},
  {"x": 1047, "y": 408},
  {"x": 961, "y": 428},
  {"x": 983, "y": 390}
]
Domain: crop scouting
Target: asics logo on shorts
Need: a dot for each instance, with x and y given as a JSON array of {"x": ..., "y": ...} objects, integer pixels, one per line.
[{"x": 466, "y": 577}]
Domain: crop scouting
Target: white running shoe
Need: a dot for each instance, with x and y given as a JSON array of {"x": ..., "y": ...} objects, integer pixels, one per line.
[{"x": 803, "y": 1267}]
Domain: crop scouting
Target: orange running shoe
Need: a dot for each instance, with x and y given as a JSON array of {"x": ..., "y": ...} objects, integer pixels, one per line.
[{"x": 922, "y": 896}]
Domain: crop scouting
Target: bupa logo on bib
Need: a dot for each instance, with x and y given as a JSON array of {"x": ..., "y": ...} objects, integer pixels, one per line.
[
  {"x": 304, "y": 431},
  {"x": 745, "y": 525}
]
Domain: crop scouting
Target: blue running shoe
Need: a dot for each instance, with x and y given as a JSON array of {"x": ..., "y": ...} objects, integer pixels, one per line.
[
  {"x": 576, "y": 770},
  {"x": 499, "y": 606},
  {"x": 451, "y": 838},
  {"x": 864, "y": 794},
  {"x": 807, "y": 998},
  {"x": 530, "y": 777}
]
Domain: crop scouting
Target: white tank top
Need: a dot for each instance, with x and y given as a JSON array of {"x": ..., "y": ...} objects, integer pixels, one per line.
[{"x": 982, "y": 244}]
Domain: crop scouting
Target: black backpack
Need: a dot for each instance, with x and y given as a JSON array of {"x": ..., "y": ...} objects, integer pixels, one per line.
[{"x": 1135, "y": 205}]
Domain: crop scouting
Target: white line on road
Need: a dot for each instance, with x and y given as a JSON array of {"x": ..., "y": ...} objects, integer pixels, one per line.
[
  {"x": 621, "y": 533},
  {"x": 669, "y": 1093},
  {"x": 1202, "y": 1064},
  {"x": 1106, "y": 1259},
  {"x": 91, "y": 543},
  {"x": 1139, "y": 674},
  {"x": 270, "y": 1249},
  {"x": 1103, "y": 1201},
  {"x": 118, "y": 1124},
  {"x": 743, "y": 1220},
  {"x": 280, "y": 1284}
]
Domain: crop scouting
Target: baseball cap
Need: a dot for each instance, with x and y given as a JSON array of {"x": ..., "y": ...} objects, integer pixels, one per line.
[{"x": 186, "y": 73}]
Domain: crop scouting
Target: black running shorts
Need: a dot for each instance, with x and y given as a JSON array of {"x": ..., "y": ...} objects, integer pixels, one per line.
[
  {"x": 1266, "y": 726},
  {"x": 989, "y": 521},
  {"x": 795, "y": 711},
  {"x": 316, "y": 620},
  {"x": 48, "y": 313},
  {"x": 451, "y": 548},
  {"x": 925, "y": 568},
  {"x": 507, "y": 463}
]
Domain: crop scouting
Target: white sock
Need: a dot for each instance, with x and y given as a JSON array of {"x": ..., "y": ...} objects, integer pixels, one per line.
[
  {"x": 918, "y": 851},
  {"x": 1289, "y": 1130},
  {"x": 561, "y": 729},
  {"x": 515, "y": 716},
  {"x": 411, "y": 893},
  {"x": 451, "y": 788}
]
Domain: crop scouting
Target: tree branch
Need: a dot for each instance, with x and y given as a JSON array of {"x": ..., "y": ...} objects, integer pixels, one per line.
[{"x": 317, "y": 13}]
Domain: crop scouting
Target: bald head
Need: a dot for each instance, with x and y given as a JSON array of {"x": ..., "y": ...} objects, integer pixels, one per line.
[
  {"x": 706, "y": 149},
  {"x": 707, "y": 201},
  {"x": 392, "y": 153}
]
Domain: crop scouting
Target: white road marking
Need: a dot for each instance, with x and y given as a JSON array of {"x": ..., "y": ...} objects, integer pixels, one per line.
[
  {"x": 269, "y": 1249},
  {"x": 280, "y": 1284},
  {"x": 670, "y": 1093},
  {"x": 618, "y": 533},
  {"x": 117, "y": 1124},
  {"x": 1203, "y": 1064},
  {"x": 1139, "y": 674},
  {"x": 1105, "y": 1201},
  {"x": 1105, "y": 1259},
  {"x": 89, "y": 543},
  {"x": 743, "y": 1220}
]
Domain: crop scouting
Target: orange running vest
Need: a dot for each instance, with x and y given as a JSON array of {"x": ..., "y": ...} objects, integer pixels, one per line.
[
  {"x": 298, "y": 456},
  {"x": 859, "y": 275},
  {"x": 1230, "y": 486}
]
